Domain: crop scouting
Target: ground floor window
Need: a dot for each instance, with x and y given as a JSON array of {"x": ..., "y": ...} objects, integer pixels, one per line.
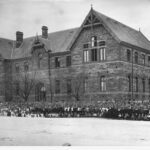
[{"x": 103, "y": 83}]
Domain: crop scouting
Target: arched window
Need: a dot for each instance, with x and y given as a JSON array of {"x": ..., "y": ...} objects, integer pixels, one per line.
[{"x": 128, "y": 55}]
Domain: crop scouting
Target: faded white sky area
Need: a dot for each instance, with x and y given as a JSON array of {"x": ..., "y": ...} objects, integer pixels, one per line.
[{"x": 29, "y": 15}]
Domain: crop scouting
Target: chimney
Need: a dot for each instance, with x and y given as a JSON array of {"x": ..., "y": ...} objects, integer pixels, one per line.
[
  {"x": 19, "y": 38},
  {"x": 44, "y": 32}
]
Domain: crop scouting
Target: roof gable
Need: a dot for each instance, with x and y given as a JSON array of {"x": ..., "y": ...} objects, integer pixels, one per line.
[{"x": 125, "y": 33}]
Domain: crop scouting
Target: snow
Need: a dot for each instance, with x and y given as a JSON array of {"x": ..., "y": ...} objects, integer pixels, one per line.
[{"x": 76, "y": 131}]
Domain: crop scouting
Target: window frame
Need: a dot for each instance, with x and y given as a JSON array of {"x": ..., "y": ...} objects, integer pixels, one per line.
[
  {"x": 128, "y": 55},
  {"x": 136, "y": 57},
  {"x": 68, "y": 60},
  {"x": 57, "y": 86},
  {"x": 103, "y": 87},
  {"x": 143, "y": 59},
  {"x": 57, "y": 62}
]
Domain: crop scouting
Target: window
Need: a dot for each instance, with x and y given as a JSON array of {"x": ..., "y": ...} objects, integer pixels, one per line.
[
  {"x": 136, "y": 57},
  {"x": 102, "y": 43},
  {"x": 128, "y": 55},
  {"x": 26, "y": 66},
  {"x": 85, "y": 45},
  {"x": 57, "y": 86},
  {"x": 39, "y": 60},
  {"x": 129, "y": 83},
  {"x": 17, "y": 68},
  {"x": 17, "y": 88},
  {"x": 149, "y": 84},
  {"x": 143, "y": 85},
  {"x": 93, "y": 54},
  {"x": 103, "y": 83},
  {"x": 148, "y": 60},
  {"x": 94, "y": 41},
  {"x": 57, "y": 62},
  {"x": 143, "y": 59},
  {"x": 68, "y": 61},
  {"x": 136, "y": 84},
  {"x": 86, "y": 56},
  {"x": 68, "y": 86},
  {"x": 85, "y": 85},
  {"x": 102, "y": 54}
]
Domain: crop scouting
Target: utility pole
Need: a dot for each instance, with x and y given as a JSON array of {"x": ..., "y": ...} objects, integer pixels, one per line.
[
  {"x": 49, "y": 75},
  {"x": 132, "y": 81}
]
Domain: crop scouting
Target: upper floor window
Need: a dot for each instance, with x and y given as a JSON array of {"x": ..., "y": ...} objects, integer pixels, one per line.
[
  {"x": 17, "y": 68},
  {"x": 85, "y": 45},
  {"x": 143, "y": 59},
  {"x": 102, "y": 54},
  {"x": 93, "y": 54},
  {"x": 103, "y": 83},
  {"x": 68, "y": 61},
  {"x": 39, "y": 60},
  {"x": 86, "y": 56},
  {"x": 101, "y": 43},
  {"x": 26, "y": 66},
  {"x": 57, "y": 86},
  {"x": 93, "y": 41},
  {"x": 148, "y": 60},
  {"x": 143, "y": 85},
  {"x": 136, "y": 57},
  {"x": 57, "y": 62},
  {"x": 128, "y": 55}
]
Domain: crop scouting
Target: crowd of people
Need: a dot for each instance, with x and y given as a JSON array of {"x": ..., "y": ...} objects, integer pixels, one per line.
[{"x": 48, "y": 110}]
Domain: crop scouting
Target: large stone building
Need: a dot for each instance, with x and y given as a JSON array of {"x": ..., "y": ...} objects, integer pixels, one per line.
[{"x": 101, "y": 62}]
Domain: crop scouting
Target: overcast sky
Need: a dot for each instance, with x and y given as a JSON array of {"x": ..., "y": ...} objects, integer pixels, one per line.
[{"x": 29, "y": 15}]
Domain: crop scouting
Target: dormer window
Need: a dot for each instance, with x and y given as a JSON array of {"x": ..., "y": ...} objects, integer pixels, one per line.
[{"x": 93, "y": 41}]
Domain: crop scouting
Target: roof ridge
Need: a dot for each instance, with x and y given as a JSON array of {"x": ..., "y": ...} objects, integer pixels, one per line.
[
  {"x": 6, "y": 39},
  {"x": 54, "y": 32}
]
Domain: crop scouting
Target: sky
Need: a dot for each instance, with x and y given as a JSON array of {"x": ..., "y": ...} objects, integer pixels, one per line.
[{"x": 29, "y": 16}]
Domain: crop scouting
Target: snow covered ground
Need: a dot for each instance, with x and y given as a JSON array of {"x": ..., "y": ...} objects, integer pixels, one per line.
[{"x": 76, "y": 131}]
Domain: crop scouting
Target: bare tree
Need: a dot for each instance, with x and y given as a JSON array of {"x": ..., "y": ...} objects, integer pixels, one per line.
[
  {"x": 25, "y": 82},
  {"x": 78, "y": 86}
]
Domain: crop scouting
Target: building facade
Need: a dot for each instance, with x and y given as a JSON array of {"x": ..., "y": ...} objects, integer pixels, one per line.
[{"x": 103, "y": 62}]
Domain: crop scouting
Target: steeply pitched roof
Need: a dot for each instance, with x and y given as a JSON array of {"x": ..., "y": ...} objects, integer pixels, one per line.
[
  {"x": 6, "y": 46},
  {"x": 57, "y": 42},
  {"x": 62, "y": 40},
  {"x": 125, "y": 33}
]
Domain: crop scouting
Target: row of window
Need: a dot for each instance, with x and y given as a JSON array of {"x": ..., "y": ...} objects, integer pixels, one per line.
[
  {"x": 94, "y": 55},
  {"x": 94, "y": 50},
  {"x": 136, "y": 57},
  {"x": 136, "y": 84},
  {"x": 85, "y": 85}
]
